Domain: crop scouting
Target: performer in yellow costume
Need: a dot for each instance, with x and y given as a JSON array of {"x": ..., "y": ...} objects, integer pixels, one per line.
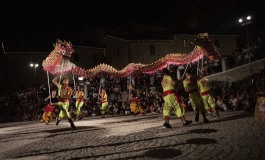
[
  {"x": 79, "y": 102},
  {"x": 64, "y": 94},
  {"x": 208, "y": 100},
  {"x": 104, "y": 102},
  {"x": 190, "y": 86},
  {"x": 171, "y": 100},
  {"x": 135, "y": 105}
]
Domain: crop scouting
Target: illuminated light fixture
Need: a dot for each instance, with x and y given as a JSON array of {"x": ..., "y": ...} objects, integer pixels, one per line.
[
  {"x": 80, "y": 78},
  {"x": 34, "y": 65},
  {"x": 248, "y": 17}
]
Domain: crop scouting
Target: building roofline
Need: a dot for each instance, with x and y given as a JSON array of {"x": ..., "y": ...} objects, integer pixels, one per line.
[
  {"x": 163, "y": 40},
  {"x": 99, "y": 48},
  {"x": 192, "y": 35},
  {"x": 118, "y": 38},
  {"x": 137, "y": 40},
  {"x": 151, "y": 40}
]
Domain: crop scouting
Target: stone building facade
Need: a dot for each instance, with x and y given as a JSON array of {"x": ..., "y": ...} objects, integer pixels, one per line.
[{"x": 121, "y": 51}]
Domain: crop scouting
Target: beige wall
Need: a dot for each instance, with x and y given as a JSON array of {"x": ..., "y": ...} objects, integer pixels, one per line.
[
  {"x": 140, "y": 50},
  {"x": 227, "y": 44},
  {"x": 88, "y": 57},
  {"x": 117, "y": 53}
]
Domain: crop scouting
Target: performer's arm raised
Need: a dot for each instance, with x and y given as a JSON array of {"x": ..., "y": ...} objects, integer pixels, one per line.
[{"x": 55, "y": 81}]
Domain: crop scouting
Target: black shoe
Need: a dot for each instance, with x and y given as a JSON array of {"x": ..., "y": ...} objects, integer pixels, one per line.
[
  {"x": 205, "y": 120},
  {"x": 167, "y": 125},
  {"x": 197, "y": 117},
  {"x": 72, "y": 125},
  {"x": 187, "y": 122},
  {"x": 57, "y": 121},
  {"x": 71, "y": 122}
]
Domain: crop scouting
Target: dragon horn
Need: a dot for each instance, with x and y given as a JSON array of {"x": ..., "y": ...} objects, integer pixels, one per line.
[{"x": 59, "y": 41}]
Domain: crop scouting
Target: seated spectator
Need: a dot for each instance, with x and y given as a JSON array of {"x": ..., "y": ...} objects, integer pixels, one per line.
[
  {"x": 234, "y": 101},
  {"x": 221, "y": 104}
]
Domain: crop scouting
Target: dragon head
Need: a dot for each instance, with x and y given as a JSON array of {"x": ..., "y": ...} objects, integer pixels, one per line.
[{"x": 65, "y": 48}]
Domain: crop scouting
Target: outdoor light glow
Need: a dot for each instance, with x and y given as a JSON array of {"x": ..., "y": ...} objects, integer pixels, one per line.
[
  {"x": 31, "y": 64},
  {"x": 248, "y": 17},
  {"x": 36, "y": 65},
  {"x": 80, "y": 78},
  {"x": 240, "y": 20}
]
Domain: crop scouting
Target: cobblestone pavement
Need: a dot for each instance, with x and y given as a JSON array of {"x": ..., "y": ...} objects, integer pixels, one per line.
[{"x": 236, "y": 135}]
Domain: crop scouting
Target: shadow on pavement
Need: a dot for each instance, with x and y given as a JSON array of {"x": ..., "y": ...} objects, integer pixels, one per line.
[
  {"x": 134, "y": 120},
  {"x": 234, "y": 117},
  {"x": 203, "y": 131},
  {"x": 37, "y": 152},
  {"x": 78, "y": 128},
  {"x": 65, "y": 131},
  {"x": 200, "y": 141},
  {"x": 163, "y": 153},
  {"x": 69, "y": 129}
]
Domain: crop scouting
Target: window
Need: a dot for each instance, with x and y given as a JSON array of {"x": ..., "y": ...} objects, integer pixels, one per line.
[
  {"x": 184, "y": 43},
  {"x": 152, "y": 50},
  {"x": 216, "y": 43}
]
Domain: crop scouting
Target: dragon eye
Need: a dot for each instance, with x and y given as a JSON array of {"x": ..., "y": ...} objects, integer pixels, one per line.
[{"x": 62, "y": 51}]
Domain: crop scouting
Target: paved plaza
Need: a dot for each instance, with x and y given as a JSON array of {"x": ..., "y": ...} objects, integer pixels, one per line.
[{"x": 236, "y": 135}]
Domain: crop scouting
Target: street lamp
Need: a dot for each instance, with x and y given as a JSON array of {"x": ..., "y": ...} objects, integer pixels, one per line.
[
  {"x": 245, "y": 22},
  {"x": 35, "y": 66}
]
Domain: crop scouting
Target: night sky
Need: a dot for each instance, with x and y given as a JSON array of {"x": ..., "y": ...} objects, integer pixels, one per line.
[{"x": 35, "y": 25}]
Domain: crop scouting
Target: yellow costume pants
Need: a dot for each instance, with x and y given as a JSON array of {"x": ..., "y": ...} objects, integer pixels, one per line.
[
  {"x": 64, "y": 107},
  {"x": 78, "y": 105},
  {"x": 170, "y": 102},
  {"x": 196, "y": 101},
  {"x": 208, "y": 101}
]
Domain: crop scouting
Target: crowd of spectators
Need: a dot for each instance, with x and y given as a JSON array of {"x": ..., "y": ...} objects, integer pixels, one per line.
[{"x": 245, "y": 55}]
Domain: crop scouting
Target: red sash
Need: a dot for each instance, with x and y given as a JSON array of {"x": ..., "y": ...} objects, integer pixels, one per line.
[
  {"x": 172, "y": 92},
  {"x": 205, "y": 93},
  {"x": 79, "y": 100},
  {"x": 63, "y": 100}
]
